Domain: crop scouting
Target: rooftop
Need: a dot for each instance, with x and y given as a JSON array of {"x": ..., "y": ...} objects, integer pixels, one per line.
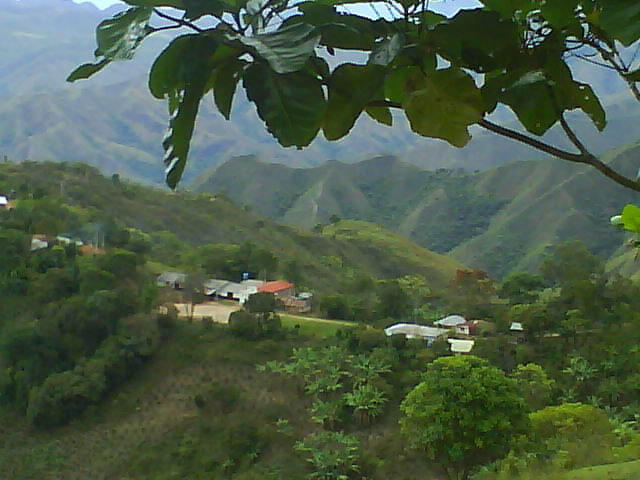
[{"x": 276, "y": 286}]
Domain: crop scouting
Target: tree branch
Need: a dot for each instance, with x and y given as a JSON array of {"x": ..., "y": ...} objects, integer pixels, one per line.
[
  {"x": 179, "y": 21},
  {"x": 585, "y": 157}
]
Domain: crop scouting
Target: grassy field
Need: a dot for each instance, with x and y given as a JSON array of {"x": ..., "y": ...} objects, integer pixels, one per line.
[
  {"x": 318, "y": 327},
  {"x": 616, "y": 471}
]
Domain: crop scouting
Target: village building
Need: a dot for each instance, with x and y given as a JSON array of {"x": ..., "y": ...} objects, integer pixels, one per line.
[
  {"x": 460, "y": 346},
  {"x": 474, "y": 327},
  {"x": 38, "y": 242},
  {"x": 172, "y": 279},
  {"x": 412, "y": 330},
  {"x": 281, "y": 289},
  {"x": 301, "y": 303},
  {"x": 451, "y": 321},
  {"x": 4, "y": 201}
]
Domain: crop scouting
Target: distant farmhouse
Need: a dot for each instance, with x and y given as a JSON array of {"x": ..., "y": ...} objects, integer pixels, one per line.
[
  {"x": 4, "y": 201},
  {"x": 412, "y": 330},
  {"x": 241, "y": 291}
]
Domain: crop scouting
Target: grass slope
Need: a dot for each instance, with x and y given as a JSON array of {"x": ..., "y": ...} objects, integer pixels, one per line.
[
  {"x": 499, "y": 220},
  {"x": 151, "y": 428},
  {"x": 201, "y": 219}
]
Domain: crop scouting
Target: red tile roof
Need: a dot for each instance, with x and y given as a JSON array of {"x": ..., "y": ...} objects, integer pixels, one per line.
[{"x": 274, "y": 287}]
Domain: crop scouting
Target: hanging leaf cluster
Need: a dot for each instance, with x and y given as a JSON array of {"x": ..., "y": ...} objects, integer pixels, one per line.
[{"x": 445, "y": 74}]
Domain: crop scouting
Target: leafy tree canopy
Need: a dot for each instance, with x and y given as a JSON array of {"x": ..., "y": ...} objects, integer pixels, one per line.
[
  {"x": 444, "y": 74},
  {"x": 464, "y": 413}
]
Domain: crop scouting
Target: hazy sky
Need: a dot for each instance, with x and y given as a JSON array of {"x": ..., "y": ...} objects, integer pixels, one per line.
[{"x": 446, "y": 5}]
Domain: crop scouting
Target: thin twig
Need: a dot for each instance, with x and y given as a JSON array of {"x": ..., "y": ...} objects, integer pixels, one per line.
[
  {"x": 179, "y": 21},
  {"x": 584, "y": 158}
]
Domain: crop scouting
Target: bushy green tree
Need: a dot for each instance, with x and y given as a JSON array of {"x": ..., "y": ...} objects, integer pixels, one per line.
[
  {"x": 534, "y": 385},
  {"x": 463, "y": 414},
  {"x": 521, "y": 287}
]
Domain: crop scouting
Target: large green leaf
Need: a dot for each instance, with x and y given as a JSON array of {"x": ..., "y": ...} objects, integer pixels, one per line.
[
  {"x": 572, "y": 95},
  {"x": 291, "y": 105},
  {"x": 178, "y": 138},
  {"x": 224, "y": 88},
  {"x": 182, "y": 73},
  {"x": 620, "y": 19},
  {"x": 351, "y": 88},
  {"x": 478, "y": 39},
  {"x": 386, "y": 51},
  {"x": 118, "y": 38},
  {"x": 512, "y": 8},
  {"x": 560, "y": 14},
  {"x": 443, "y": 104},
  {"x": 350, "y": 32},
  {"x": 631, "y": 218},
  {"x": 287, "y": 49},
  {"x": 531, "y": 100}
]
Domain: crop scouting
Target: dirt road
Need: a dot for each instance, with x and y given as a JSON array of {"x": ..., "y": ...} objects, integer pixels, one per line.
[{"x": 219, "y": 312}]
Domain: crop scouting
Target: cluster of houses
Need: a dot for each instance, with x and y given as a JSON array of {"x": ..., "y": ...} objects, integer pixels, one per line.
[
  {"x": 458, "y": 331},
  {"x": 241, "y": 291}
]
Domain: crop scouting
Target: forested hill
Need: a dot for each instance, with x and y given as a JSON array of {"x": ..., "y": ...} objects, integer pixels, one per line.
[
  {"x": 76, "y": 199},
  {"x": 44, "y": 118},
  {"x": 499, "y": 220}
]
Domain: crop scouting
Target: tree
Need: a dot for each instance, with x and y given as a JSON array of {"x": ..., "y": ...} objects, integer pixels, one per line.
[
  {"x": 192, "y": 291},
  {"x": 521, "y": 287},
  {"x": 333, "y": 455},
  {"x": 464, "y": 413},
  {"x": 444, "y": 74},
  {"x": 534, "y": 385},
  {"x": 262, "y": 303}
]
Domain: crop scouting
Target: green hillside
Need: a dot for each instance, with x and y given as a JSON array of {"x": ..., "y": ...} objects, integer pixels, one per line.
[
  {"x": 499, "y": 220},
  {"x": 199, "y": 219}
]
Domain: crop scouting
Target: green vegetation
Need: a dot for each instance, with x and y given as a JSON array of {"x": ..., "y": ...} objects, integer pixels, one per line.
[
  {"x": 494, "y": 220},
  {"x": 297, "y": 94}
]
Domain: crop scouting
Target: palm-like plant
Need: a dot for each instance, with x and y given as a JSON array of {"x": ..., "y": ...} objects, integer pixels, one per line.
[
  {"x": 367, "y": 368},
  {"x": 333, "y": 455},
  {"x": 367, "y": 402}
]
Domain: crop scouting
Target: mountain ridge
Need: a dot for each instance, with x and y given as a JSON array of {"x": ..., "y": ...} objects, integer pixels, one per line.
[{"x": 499, "y": 219}]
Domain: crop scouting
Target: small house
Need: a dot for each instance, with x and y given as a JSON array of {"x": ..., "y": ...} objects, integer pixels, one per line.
[
  {"x": 516, "y": 327},
  {"x": 474, "y": 327},
  {"x": 4, "y": 201},
  {"x": 301, "y": 303},
  {"x": 451, "y": 321},
  {"x": 412, "y": 330},
  {"x": 38, "y": 242},
  {"x": 461, "y": 346},
  {"x": 281, "y": 289},
  {"x": 172, "y": 279}
]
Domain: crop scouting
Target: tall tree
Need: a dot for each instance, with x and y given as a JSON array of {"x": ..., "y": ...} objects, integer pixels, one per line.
[{"x": 464, "y": 413}]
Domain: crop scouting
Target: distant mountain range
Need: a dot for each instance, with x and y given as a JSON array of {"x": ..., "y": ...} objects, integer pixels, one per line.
[
  {"x": 501, "y": 219},
  {"x": 112, "y": 122}
]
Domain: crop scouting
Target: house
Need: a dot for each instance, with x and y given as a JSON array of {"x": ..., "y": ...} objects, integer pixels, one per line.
[
  {"x": 451, "y": 321},
  {"x": 38, "y": 242},
  {"x": 231, "y": 290},
  {"x": 213, "y": 286},
  {"x": 412, "y": 330},
  {"x": 67, "y": 240},
  {"x": 4, "y": 201},
  {"x": 460, "y": 346},
  {"x": 281, "y": 289},
  {"x": 474, "y": 327},
  {"x": 301, "y": 303},
  {"x": 172, "y": 279},
  {"x": 516, "y": 327}
]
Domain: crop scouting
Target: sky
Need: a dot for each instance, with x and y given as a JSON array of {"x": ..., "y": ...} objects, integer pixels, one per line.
[{"x": 448, "y": 6}]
